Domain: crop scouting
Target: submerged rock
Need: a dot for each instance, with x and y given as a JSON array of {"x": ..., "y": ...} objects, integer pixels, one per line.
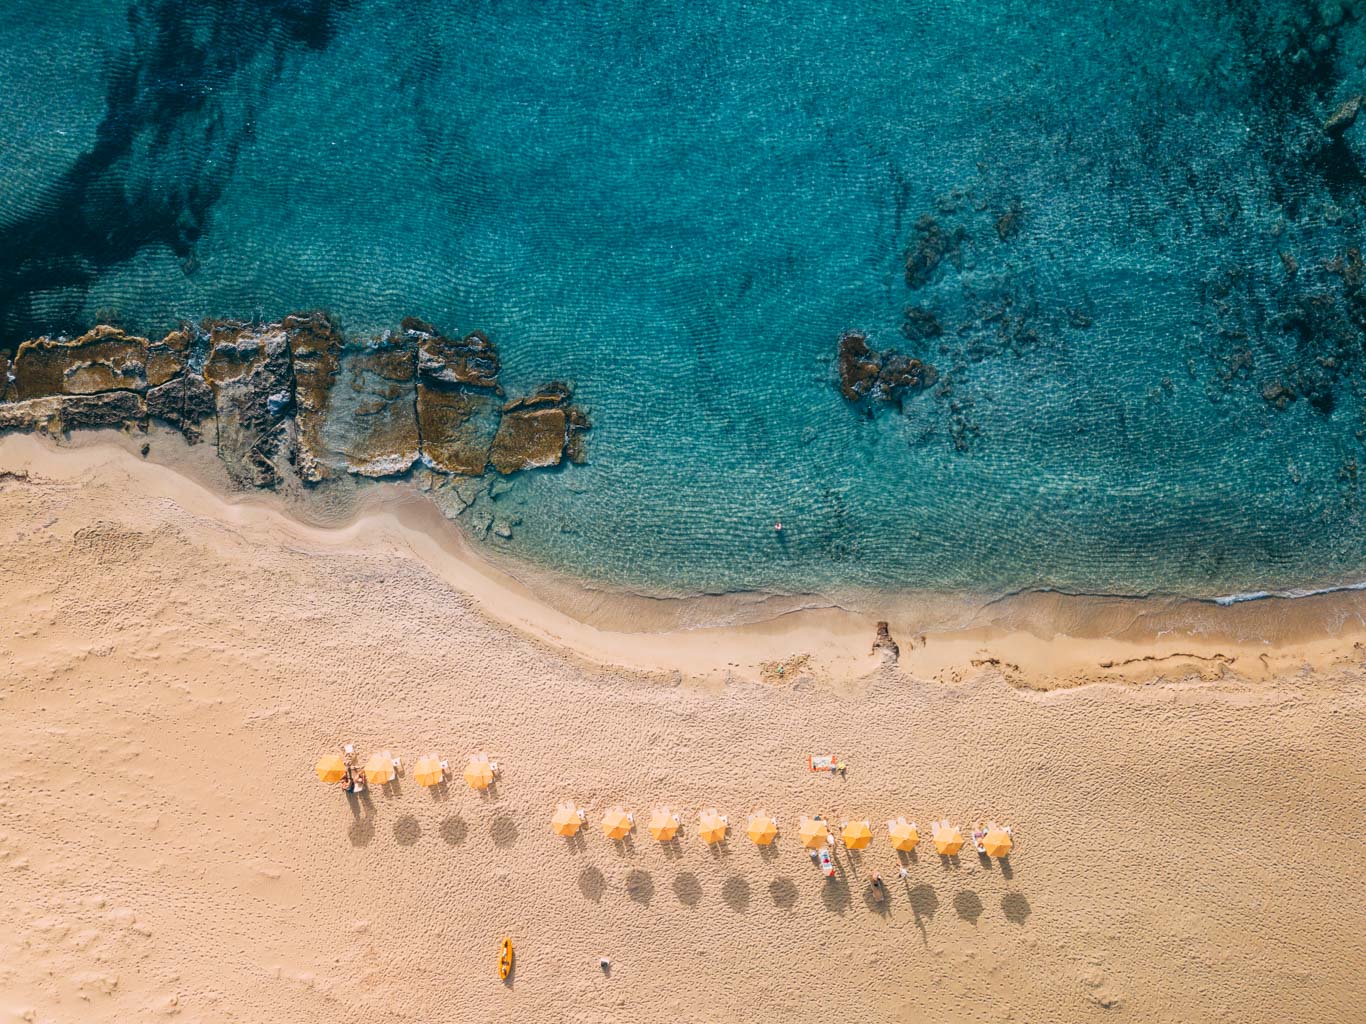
[
  {"x": 249, "y": 369},
  {"x": 457, "y": 428},
  {"x": 930, "y": 246},
  {"x": 1344, "y": 115},
  {"x": 576, "y": 444},
  {"x": 57, "y": 414},
  {"x": 1008, "y": 223},
  {"x": 316, "y": 346},
  {"x": 104, "y": 359},
  {"x": 920, "y": 323}
]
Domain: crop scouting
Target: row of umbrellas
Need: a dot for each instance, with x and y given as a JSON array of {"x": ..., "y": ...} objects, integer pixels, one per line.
[
  {"x": 814, "y": 832},
  {"x": 382, "y": 768}
]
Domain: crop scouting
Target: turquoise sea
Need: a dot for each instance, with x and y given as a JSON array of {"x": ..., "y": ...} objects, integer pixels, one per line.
[{"x": 1152, "y": 350}]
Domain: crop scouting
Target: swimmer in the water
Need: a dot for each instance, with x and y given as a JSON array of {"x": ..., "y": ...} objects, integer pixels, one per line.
[{"x": 778, "y": 527}]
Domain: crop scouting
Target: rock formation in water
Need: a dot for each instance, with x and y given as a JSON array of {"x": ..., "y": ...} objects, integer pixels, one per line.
[
  {"x": 292, "y": 397},
  {"x": 886, "y": 375}
]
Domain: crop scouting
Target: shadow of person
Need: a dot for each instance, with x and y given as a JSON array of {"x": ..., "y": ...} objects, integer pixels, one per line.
[
  {"x": 592, "y": 884},
  {"x": 736, "y": 894},
  {"x": 783, "y": 893},
  {"x": 361, "y": 804},
  {"x": 967, "y": 905},
  {"x": 504, "y": 832},
  {"x": 362, "y": 831},
  {"x": 640, "y": 887},
  {"x": 1015, "y": 907},
  {"x": 453, "y": 830},
  {"x": 687, "y": 889}
]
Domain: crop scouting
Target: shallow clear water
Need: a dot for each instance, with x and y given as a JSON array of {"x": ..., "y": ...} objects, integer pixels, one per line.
[{"x": 680, "y": 205}]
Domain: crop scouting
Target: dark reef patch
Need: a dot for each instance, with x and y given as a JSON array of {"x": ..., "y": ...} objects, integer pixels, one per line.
[{"x": 164, "y": 98}]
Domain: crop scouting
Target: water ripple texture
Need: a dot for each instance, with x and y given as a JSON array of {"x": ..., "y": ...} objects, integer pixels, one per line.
[{"x": 1125, "y": 236}]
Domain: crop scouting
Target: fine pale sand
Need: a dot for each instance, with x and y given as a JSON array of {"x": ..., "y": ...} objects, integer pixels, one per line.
[{"x": 1185, "y": 786}]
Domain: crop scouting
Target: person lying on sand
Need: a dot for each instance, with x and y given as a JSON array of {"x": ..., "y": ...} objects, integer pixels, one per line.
[{"x": 977, "y": 836}]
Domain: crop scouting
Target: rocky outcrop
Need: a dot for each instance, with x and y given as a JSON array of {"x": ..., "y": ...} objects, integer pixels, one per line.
[
  {"x": 250, "y": 374},
  {"x": 372, "y": 414},
  {"x": 57, "y": 414},
  {"x": 316, "y": 346},
  {"x": 105, "y": 359},
  {"x": 457, "y": 428},
  {"x": 534, "y": 431},
  {"x": 884, "y": 644},
  {"x": 184, "y": 402},
  {"x": 169, "y": 357},
  {"x": 867, "y": 373},
  {"x": 294, "y": 394},
  {"x": 471, "y": 361}
]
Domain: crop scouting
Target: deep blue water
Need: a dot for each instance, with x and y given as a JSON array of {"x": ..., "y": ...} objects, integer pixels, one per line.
[{"x": 680, "y": 205}]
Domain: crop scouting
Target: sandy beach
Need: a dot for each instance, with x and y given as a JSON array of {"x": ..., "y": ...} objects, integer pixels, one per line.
[{"x": 1184, "y": 784}]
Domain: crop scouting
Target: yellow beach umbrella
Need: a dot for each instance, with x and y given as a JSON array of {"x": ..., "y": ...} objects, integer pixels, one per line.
[
  {"x": 479, "y": 773},
  {"x": 331, "y": 768},
  {"x": 379, "y": 769},
  {"x": 904, "y": 835},
  {"x": 428, "y": 771},
  {"x": 813, "y": 832},
  {"x": 711, "y": 826},
  {"x": 997, "y": 843},
  {"x": 857, "y": 835},
  {"x": 617, "y": 824},
  {"x": 566, "y": 820},
  {"x": 663, "y": 824},
  {"x": 761, "y": 829},
  {"x": 947, "y": 840}
]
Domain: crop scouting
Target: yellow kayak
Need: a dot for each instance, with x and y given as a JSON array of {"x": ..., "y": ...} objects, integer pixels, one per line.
[{"x": 505, "y": 960}]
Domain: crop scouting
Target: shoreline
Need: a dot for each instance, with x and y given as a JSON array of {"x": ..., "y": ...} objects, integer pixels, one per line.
[{"x": 1036, "y": 640}]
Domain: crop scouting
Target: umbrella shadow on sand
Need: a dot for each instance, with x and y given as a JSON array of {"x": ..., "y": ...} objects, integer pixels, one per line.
[
  {"x": 592, "y": 883},
  {"x": 783, "y": 893},
  {"x": 924, "y": 902},
  {"x": 735, "y": 892},
  {"x": 640, "y": 887},
  {"x": 688, "y": 889}
]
